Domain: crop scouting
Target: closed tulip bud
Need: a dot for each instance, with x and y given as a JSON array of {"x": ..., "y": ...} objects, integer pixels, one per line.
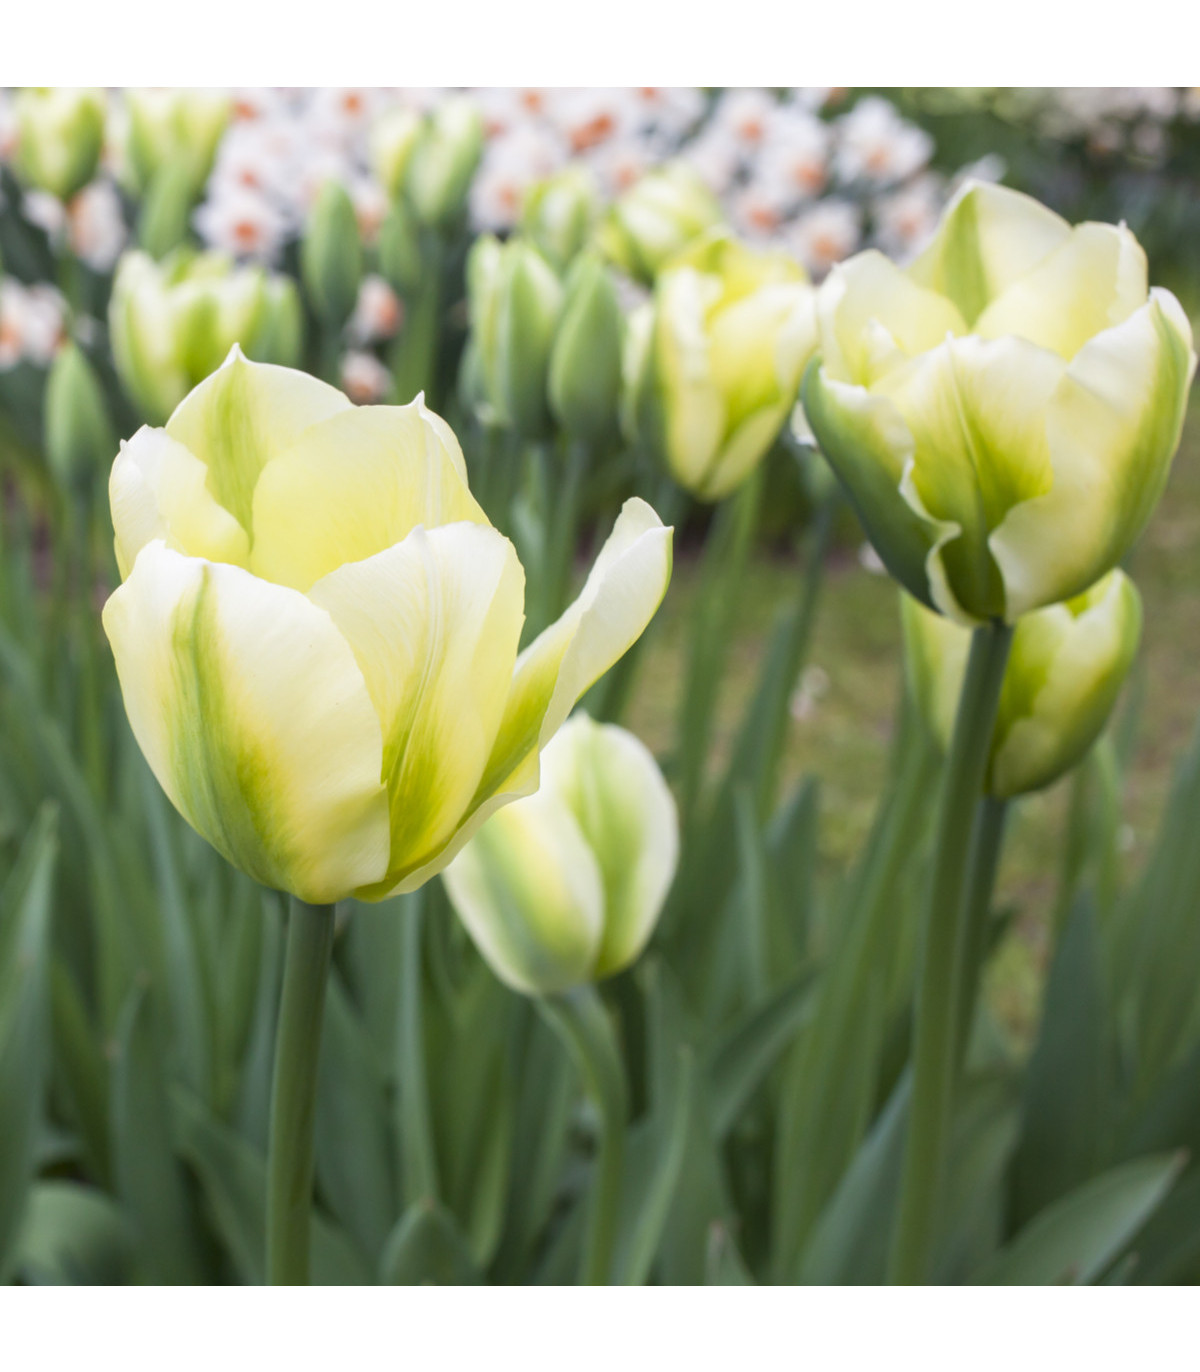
[
  {"x": 60, "y": 132},
  {"x": 561, "y": 212},
  {"x": 400, "y": 249},
  {"x": 1003, "y": 413},
  {"x": 713, "y": 368},
  {"x": 585, "y": 362},
  {"x": 515, "y": 300},
  {"x": 171, "y": 324},
  {"x": 79, "y": 433},
  {"x": 1066, "y": 668},
  {"x": 657, "y": 218},
  {"x": 177, "y": 127},
  {"x": 394, "y": 136},
  {"x": 316, "y": 632},
  {"x": 443, "y": 162},
  {"x": 331, "y": 256},
  {"x": 566, "y": 886}
]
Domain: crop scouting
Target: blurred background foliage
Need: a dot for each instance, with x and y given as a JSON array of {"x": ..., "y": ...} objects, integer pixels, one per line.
[{"x": 765, "y": 1033}]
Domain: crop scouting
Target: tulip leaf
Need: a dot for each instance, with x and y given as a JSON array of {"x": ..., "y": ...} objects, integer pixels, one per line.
[
  {"x": 742, "y": 1058},
  {"x": 723, "y": 1264},
  {"x": 83, "y": 1068},
  {"x": 1075, "y": 1239},
  {"x": 25, "y": 906},
  {"x": 1168, "y": 1247},
  {"x": 149, "y": 1178},
  {"x": 233, "y": 1176},
  {"x": 848, "y": 1244},
  {"x": 426, "y": 1248},
  {"x": 73, "y": 1235},
  {"x": 1069, "y": 1082}
]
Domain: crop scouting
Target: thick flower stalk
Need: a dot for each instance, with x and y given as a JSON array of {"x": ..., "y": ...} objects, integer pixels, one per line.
[
  {"x": 714, "y": 363},
  {"x": 1003, "y": 413},
  {"x": 316, "y": 635},
  {"x": 173, "y": 323},
  {"x": 1065, "y": 670}
]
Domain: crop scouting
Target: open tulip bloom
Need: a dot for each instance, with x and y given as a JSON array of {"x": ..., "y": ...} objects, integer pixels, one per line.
[
  {"x": 1004, "y": 412},
  {"x": 317, "y": 632}
]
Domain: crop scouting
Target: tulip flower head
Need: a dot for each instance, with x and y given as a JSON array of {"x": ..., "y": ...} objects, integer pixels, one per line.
[
  {"x": 316, "y": 634},
  {"x": 657, "y": 218},
  {"x": 1003, "y": 413},
  {"x": 60, "y": 135},
  {"x": 713, "y": 365},
  {"x": 1065, "y": 670},
  {"x": 565, "y": 887},
  {"x": 173, "y": 323},
  {"x": 173, "y": 128}
]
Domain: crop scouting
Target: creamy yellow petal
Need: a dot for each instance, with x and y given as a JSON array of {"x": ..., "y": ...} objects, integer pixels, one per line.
[
  {"x": 157, "y": 490},
  {"x": 1094, "y": 280},
  {"x": 244, "y": 415},
  {"x": 989, "y": 236},
  {"x": 625, "y": 587},
  {"x": 694, "y": 410},
  {"x": 976, "y": 411},
  {"x": 871, "y": 315},
  {"x": 354, "y": 485},
  {"x": 1112, "y": 426},
  {"x": 612, "y": 786},
  {"x": 253, "y": 715},
  {"x": 434, "y": 623},
  {"x": 530, "y": 893}
]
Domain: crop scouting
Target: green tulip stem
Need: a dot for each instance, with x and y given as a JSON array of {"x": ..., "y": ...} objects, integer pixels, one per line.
[
  {"x": 986, "y": 845},
  {"x": 294, "y": 1092},
  {"x": 413, "y": 356},
  {"x": 939, "y": 989},
  {"x": 582, "y": 1023}
]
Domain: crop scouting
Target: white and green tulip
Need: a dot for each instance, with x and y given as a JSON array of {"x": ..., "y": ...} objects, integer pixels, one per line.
[
  {"x": 1003, "y": 413},
  {"x": 60, "y": 132},
  {"x": 316, "y": 634},
  {"x": 713, "y": 365}
]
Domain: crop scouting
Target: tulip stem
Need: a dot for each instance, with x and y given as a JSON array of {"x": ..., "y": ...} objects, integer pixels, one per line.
[
  {"x": 580, "y": 1020},
  {"x": 939, "y": 989},
  {"x": 294, "y": 1092},
  {"x": 986, "y": 844}
]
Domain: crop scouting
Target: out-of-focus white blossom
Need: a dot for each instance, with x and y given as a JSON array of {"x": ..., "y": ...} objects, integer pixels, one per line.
[
  {"x": 364, "y": 378},
  {"x": 906, "y": 219},
  {"x": 242, "y": 222},
  {"x": 377, "y": 313},
  {"x": 96, "y": 226},
  {"x": 31, "y": 323},
  {"x": 877, "y": 146},
  {"x": 825, "y": 234},
  {"x": 44, "y": 210}
]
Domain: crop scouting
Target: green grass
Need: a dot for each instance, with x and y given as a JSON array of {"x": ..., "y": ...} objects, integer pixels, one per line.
[{"x": 847, "y": 700}]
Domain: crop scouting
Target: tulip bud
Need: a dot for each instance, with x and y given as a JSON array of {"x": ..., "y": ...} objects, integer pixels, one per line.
[
  {"x": 560, "y": 213},
  {"x": 657, "y": 218},
  {"x": 565, "y": 887},
  {"x": 394, "y": 137},
  {"x": 712, "y": 372},
  {"x": 60, "y": 132},
  {"x": 1003, "y": 413},
  {"x": 173, "y": 127},
  {"x": 443, "y": 162},
  {"x": 515, "y": 300},
  {"x": 585, "y": 363},
  {"x": 1065, "y": 670},
  {"x": 400, "y": 249},
  {"x": 79, "y": 435},
  {"x": 331, "y": 256},
  {"x": 171, "y": 324}
]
